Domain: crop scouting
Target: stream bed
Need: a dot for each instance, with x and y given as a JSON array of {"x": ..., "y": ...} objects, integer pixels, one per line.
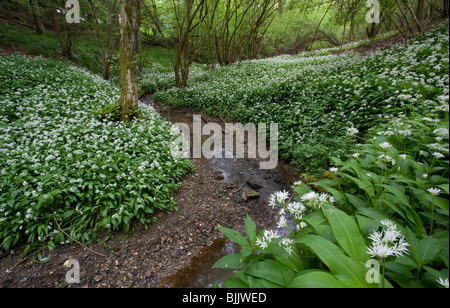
[{"x": 250, "y": 182}]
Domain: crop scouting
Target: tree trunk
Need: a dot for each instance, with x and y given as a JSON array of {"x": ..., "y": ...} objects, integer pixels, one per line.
[
  {"x": 420, "y": 10},
  {"x": 130, "y": 16},
  {"x": 107, "y": 51},
  {"x": 37, "y": 18},
  {"x": 352, "y": 30},
  {"x": 413, "y": 14},
  {"x": 446, "y": 8},
  {"x": 64, "y": 41}
]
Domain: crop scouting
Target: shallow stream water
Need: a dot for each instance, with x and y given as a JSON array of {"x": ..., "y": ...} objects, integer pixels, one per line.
[{"x": 200, "y": 274}]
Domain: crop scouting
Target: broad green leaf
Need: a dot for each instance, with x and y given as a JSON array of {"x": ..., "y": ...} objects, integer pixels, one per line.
[
  {"x": 379, "y": 215},
  {"x": 272, "y": 271},
  {"x": 327, "y": 185},
  {"x": 401, "y": 196},
  {"x": 235, "y": 283},
  {"x": 441, "y": 203},
  {"x": 316, "y": 221},
  {"x": 258, "y": 283},
  {"x": 234, "y": 236},
  {"x": 367, "y": 186},
  {"x": 316, "y": 279},
  {"x": 356, "y": 201},
  {"x": 399, "y": 269},
  {"x": 232, "y": 261},
  {"x": 293, "y": 261},
  {"x": 250, "y": 229},
  {"x": 444, "y": 187},
  {"x": 347, "y": 234},
  {"x": 427, "y": 250},
  {"x": 348, "y": 271},
  {"x": 301, "y": 189}
]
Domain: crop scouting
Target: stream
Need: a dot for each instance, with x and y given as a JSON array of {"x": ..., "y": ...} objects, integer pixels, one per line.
[{"x": 244, "y": 174}]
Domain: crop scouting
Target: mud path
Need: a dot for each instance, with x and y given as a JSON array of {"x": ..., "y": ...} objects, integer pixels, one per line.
[{"x": 181, "y": 247}]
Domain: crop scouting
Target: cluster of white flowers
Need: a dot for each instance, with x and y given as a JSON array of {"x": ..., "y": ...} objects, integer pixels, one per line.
[
  {"x": 386, "y": 158},
  {"x": 278, "y": 198},
  {"x": 266, "y": 239},
  {"x": 251, "y": 90},
  {"x": 385, "y": 145},
  {"x": 443, "y": 282},
  {"x": 352, "y": 131},
  {"x": 388, "y": 242},
  {"x": 291, "y": 215},
  {"x": 51, "y": 142},
  {"x": 316, "y": 200},
  {"x": 434, "y": 191}
]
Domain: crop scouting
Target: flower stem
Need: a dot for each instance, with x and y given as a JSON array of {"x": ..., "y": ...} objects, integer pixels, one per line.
[{"x": 432, "y": 215}]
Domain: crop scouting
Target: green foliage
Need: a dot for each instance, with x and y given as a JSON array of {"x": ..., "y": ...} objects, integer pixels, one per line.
[
  {"x": 58, "y": 161},
  {"x": 385, "y": 199},
  {"x": 316, "y": 99},
  {"x": 111, "y": 112}
]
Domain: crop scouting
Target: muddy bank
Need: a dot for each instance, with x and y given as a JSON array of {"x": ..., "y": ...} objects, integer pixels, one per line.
[{"x": 180, "y": 248}]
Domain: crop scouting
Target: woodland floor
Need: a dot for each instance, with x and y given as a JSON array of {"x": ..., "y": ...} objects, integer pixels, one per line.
[
  {"x": 176, "y": 251},
  {"x": 181, "y": 247}
]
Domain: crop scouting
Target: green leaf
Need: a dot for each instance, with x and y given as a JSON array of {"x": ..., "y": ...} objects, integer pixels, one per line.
[
  {"x": 444, "y": 187},
  {"x": 234, "y": 236},
  {"x": 293, "y": 261},
  {"x": 317, "y": 222},
  {"x": 326, "y": 184},
  {"x": 426, "y": 250},
  {"x": 271, "y": 271},
  {"x": 316, "y": 279},
  {"x": 441, "y": 203},
  {"x": 347, "y": 234},
  {"x": 367, "y": 186},
  {"x": 232, "y": 261},
  {"x": 235, "y": 283},
  {"x": 378, "y": 215},
  {"x": 301, "y": 189},
  {"x": 397, "y": 193},
  {"x": 348, "y": 271},
  {"x": 356, "y": 201},
  {"x": 250, "y": 229},
  {"x": 257, "y": 283}
]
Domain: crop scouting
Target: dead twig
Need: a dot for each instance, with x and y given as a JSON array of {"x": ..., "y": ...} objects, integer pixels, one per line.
[
  {"x": 290, "y": 199},
  {"x": 59, "y": 227},
  {"x": 242, "y": 186}
]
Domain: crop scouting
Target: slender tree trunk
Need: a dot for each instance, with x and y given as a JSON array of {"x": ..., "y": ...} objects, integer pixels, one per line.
[
  {"x": 352, "y": 30},
  {"x": 107, "y": 51},
  {"x": 130, "y": 16},
  {"x": 64, "y": 35},
  {"x": 445, "y": 4},
  {"x": 37, "y": 18},
  {"x": 420, "y": 10}
]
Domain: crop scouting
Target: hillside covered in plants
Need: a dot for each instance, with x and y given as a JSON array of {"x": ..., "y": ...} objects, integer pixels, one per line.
[
  {"x": 90, "y": 171},
  {"x": 384, "y": 198}
]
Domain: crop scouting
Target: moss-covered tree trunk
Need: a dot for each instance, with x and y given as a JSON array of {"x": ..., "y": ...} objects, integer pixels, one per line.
[{"x": 130, "y": 17}]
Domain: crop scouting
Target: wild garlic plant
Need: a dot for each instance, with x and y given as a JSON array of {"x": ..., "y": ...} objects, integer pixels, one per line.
[
  {"x": 61, "y": 164},
  {"x": 322, "y": 103}
]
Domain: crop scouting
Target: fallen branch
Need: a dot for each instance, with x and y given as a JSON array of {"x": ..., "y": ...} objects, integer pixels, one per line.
[
  {"x": 242, "y": 186},
  {"x": 59, "y": 227}
]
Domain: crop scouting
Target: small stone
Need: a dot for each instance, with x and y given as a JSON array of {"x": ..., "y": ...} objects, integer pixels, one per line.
[
  {"x": 255, "y": 184},
  {"x": 248, "y": 194}
]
